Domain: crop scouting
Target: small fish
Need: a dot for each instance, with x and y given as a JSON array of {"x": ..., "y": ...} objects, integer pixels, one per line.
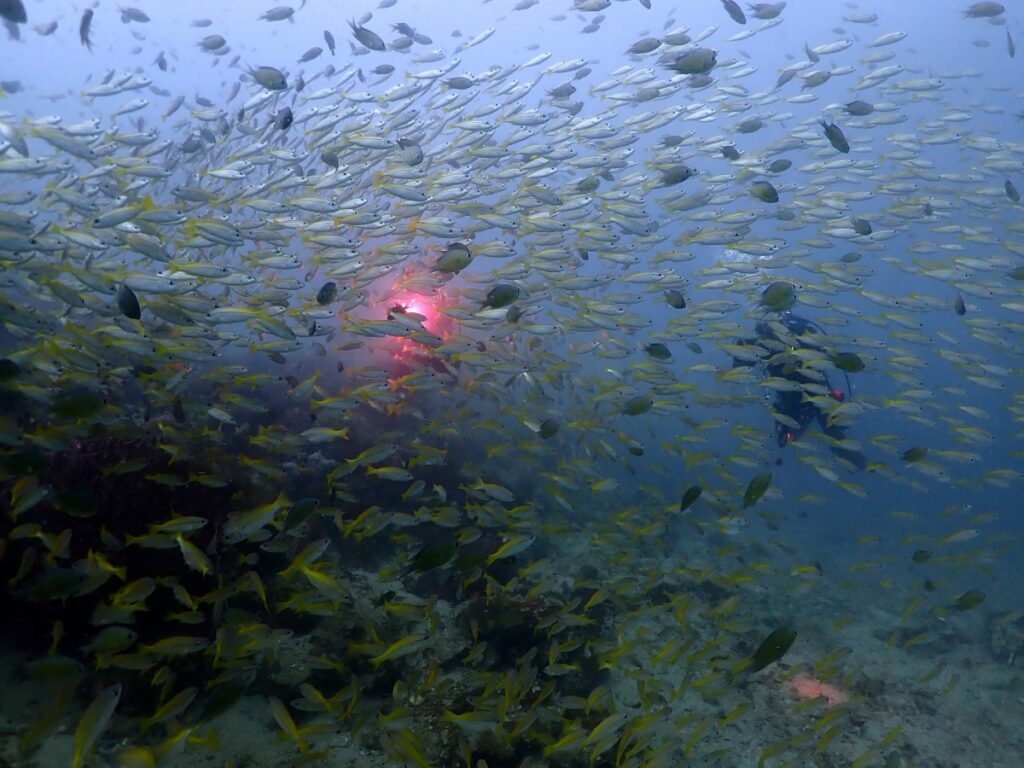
[
  {"x": 1011, "y": 191},
  {"x": 859, "y": 108},
  {"x": 658, "y": 351},
  {"x": 699, "y": 61},
  {"x": 756, "y": 488},
  {"x": 764, "y": 191},
  {"x": 914, "y": 454},
  {"x": 958, "y": 305},
  {"x": 329, "y": 39},
  {"x": 84, "y": 28},
  {"x": 94, "y": 722},
  {"x": 771, "y": 649},
  {"x": 133, "y": 14},
  {"x": 637, "y": 405},
  {"x": 283, "y": 118},
  {"x": 675, "y": 299},
  {"x": 548, "y": 429},
  {"x": 280, "y": 13},
  {"x": 434, "y": 555},
  {"x": 270, "y": 78},
  {"x": 734, "y": 11},
  {"x": 849, "y": 362},
  {"x": 969, "y": 599},
  {"x": 128, "y": 303},
  {"x": 327, "y": 293},
  {"x": 690, "y": 497},
  {"x": 835, "y": 136},
  {"x": 368, "y": 38},
  {"x": 779, "y": 296},
  {"x": 984, "y": 10},
  {"x": 861, "y": 226},
  {"x": 501, "y": 295},
  {"x": 455, "y": 258},
  {"x": 13, "y": 11}
]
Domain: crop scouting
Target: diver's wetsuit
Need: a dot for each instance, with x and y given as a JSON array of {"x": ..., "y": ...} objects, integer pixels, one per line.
[{"x": 793, "y": 404}]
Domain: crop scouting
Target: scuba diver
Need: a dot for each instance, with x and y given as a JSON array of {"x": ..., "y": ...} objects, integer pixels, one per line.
[{"x": 789, "y": 333}]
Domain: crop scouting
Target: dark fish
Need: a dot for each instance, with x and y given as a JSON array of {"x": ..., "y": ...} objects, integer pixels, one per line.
[
  {"x": 459, "y": 83},
  {"x": 658, "y": 351},
  {"x": 734, "y": 11},
  {"x": 13, "y": 11},
  {"x": 750, "y": 125},
  {"x": 690, "y": 497},
  {"x": 128, "y": 303},
  {"x": 764, "y": 191},
  {"x": 224, "y": 697},
  {"x": 133, "y": 14},
  {"x": 849, "y": 362},
  {"x": 327, "y": 293},
  {"x": 370, "y": 39},
  {"x": 780, "y": 165},
  {"x": 675, "y": 299},
  {"x": 270, "y": 78},
  {"x": 178, "y": 409},
  {"x": 859, "y": 108},
  {"x": 8, "y": 369},
  {"x": 921, "y": 556},
  {"x": 311, "y": 54},
  {"x": 958, "y": 305},
  {"x": 861, "y": 226},
  {"x": 984, "y": 10},
  {"x": 329, "y": 39},
  {"x": 283, "y": 118},
  {"x": 699, "y": 61},
  {"x": 84, "y": 29},
  {"x": 1011, "y": 191},
  {"x": 300, "y": 512},
  {"x": 77, "y": 403},
  {"x": 548, "y": 428},
  {"x": 638, "y": 405},
  {"x": 501, "y": 295},
  {"x": 675, "y": 174},
  {"x": 779, "y": 296},
  {"x": 756, "y": 488},
  {"x": 434, "y": 555},
  {"x": 968, "y": 600},
  {"x": 914, "y": 454},
  {"x": 766, "y": 10},
  {"x": 772, "y": 649},
  {"x": 836, "y": 137}
]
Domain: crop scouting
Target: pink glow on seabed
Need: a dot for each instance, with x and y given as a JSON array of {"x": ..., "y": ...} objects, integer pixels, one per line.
[{"x": 807, "y": 687}]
